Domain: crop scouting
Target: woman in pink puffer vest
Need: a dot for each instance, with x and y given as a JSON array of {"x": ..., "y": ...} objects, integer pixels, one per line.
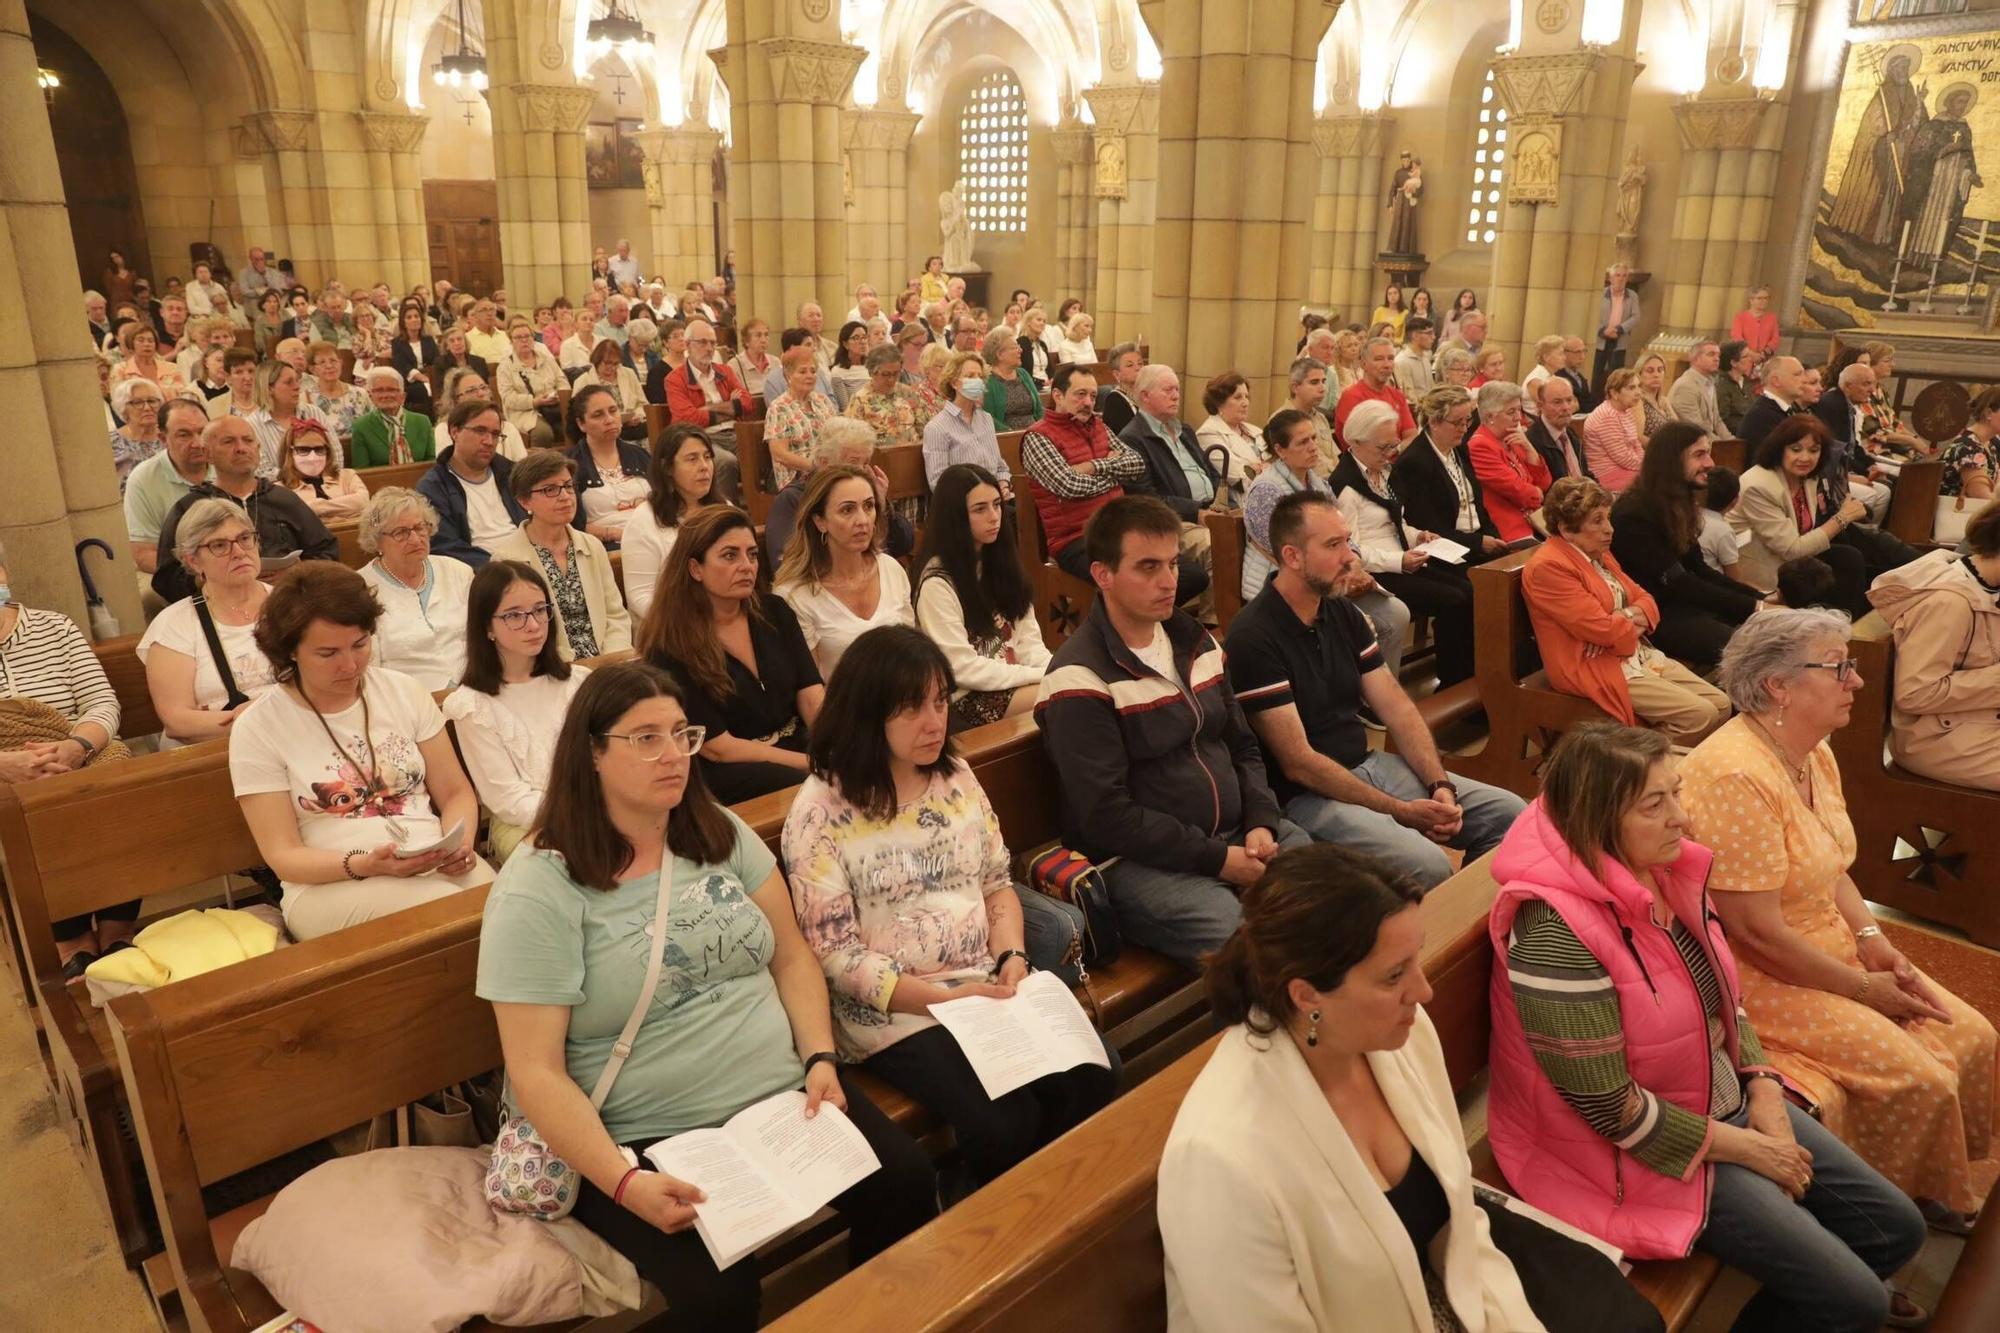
[{"x": 1630, "y": 1096}]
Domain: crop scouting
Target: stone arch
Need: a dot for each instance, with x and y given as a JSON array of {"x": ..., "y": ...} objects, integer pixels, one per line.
[{"x": 911, "y": 27}]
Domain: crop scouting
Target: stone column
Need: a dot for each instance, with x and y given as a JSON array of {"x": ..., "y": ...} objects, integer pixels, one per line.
[
  {"x": 788, "y": 204},
  {"x": 1729, "y": 167},
  {"x": 538, "y": 158},
  {"x": 1565, "y": 122},
  {"x": 677, "y": 195},
  {"x": 1074, "y": 207},
  {"x": 1125, "y": 180},
  {"x": 1236, "y": 181},
  {"x": 1347, "y": 211},
  {"x": 285, "y": 136},
  {"x": 394, "y": 141},
  {"x": 878, "y": 168},
  {"x": 61, "y": 488}
]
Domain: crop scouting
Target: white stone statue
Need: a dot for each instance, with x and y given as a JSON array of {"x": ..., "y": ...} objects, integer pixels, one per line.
[
  {"x": 1631, "y": 192},
  {"x": 955, "y": 230}
]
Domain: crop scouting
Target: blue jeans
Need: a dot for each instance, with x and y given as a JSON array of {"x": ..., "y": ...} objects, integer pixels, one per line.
[
  {"x": 1489, "y": 812},
  {"x": 1184, "y": 916},
  {"x": 1821, "y": 1261}
]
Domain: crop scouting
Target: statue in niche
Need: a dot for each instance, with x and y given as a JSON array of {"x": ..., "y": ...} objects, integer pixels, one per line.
[
  {"x": 955, "y": 230},
  {"x": 1631, "y": 192},
  {"x": 1406, "y": 191}
]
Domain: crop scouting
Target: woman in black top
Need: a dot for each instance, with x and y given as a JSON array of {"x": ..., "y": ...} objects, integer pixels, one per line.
[
  {"x": 453, "y": 353},
  {"x": 738, "y": 652},
  {"x": 1654, "y": 529},
  {"x": 412, "y": 354}
]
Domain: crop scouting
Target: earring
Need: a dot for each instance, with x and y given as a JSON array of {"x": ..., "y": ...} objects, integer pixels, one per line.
[
  {"x": 1781, "y": 715},
  {"x": 1312, "y": 1033}
]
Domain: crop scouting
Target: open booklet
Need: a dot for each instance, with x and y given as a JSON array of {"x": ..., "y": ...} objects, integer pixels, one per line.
[
  {"x": 765, "y": 1170},
  {"x": 1009, "y": 1043}
]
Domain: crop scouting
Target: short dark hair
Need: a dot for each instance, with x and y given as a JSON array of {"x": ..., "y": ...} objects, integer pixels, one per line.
[
  {"x": 1060, "y": 377},
  {"x": 1104, "y": 534},
  {"x": 1808, "y": 581},
  {"x": 465, "y": 409},
  {"x": 1982, "y": 532},
  {"x": 787, "y": 340},
  {"x": 308, "y": 591},
  {"x": 536, "y": 468},
  {"x": 887, "y": 670},
  {"x": 579, "y": 403},
  {"x": 1288, "y": 518},
  {"x": 1415, "y": 324},
  {"x": 179, "y": 403},
  {"x": 1278, "y": 430},
  {"x": 1220, "y": 390},
  {"x": 1795, "y": 429},
  {"x": 238, "y": 356},
  {"x": 1723, "y": 488},
  {"x": 1313, "y": 915},
  {"x": 1731, "y": 350},
  {"x": 573, "y": 822},
  {"x": 482, "y": 602}
]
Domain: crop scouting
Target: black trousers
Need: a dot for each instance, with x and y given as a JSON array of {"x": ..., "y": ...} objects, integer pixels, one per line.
[
  {"x": 993, "y": 1133},
  {"x": 1609, "y": 358},
  {"x": 70, "y": 927},
  {"x": 1691, "y": 634},
  {"x": 1856, "y": 557},
  {"x": 1074, "y": 559},
  {"x": 897, "y": 1199},
  {"x": 1444, "y": 593}
]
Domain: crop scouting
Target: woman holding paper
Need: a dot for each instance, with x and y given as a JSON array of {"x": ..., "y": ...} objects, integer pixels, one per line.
[
  {"x": 628, "y": 826},
  {"x": 901, "y": 882},
  {"x": 1317, "y": 1167}
]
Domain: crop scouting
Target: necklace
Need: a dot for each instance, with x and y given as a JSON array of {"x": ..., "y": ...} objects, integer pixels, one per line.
[
  {"x": 367, "y": 738},
  {"x": 1797, "y": 771}
]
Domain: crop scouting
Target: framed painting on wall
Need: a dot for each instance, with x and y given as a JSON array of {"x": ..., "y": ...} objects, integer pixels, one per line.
[
  {"x": 600, "y": 156},
  {"x": 631, "y": 160}
]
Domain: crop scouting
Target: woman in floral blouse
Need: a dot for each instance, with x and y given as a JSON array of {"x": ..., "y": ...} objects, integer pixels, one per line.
[
  {"x": 338, "y": 400},
  {"x": 899, "y": 874},
  {"x": 1972, "y": 459},
  {"x": 796, "y": 416},
  {"x": 893, "y": 410}
]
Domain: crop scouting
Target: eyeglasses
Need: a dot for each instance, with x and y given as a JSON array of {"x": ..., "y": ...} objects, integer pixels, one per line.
[
  {"x": 319, "y": 449},
  {"x": 409, "y": 532},
  {"x": 478, "y": 432},
  {"x": 556, "y": 491},
  {"x": 648, "y": 747},
  {"x": 222, "y": 546},
  {"x": 522, "y": 617},
  {"x": 1842, "y": 671},
  {"x": 701, "y": 342}
]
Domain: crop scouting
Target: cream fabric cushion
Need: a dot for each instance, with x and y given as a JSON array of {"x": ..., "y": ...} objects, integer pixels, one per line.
[{"x": 402, "y": 1239}]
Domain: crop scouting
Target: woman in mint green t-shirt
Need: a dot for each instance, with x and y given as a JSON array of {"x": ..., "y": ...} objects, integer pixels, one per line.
[{"x": 740, "y": 1012}]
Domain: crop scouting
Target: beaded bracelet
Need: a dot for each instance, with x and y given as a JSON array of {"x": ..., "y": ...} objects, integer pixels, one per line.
[
  {"x": 347, "y": 863},
  {"x": 618, "y": 1195}
]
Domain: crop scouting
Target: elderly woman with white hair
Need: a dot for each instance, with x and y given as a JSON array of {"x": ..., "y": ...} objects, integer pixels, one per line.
[
  {"x": 422, "y": 629},
  {"x": 136, "y": 403},
  {"x": 196, "y": 692},
  {"x": 642, "y": 350},
  {"x": 1898, "y": 1067},
  {"x": 390, "y": 433},
  {"x": 1012, "y": 399},
  {"x": 1076, "y": 346},
  {"x": 1512, "y": 475}
]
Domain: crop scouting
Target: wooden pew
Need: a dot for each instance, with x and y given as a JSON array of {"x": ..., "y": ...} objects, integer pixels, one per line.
[
  {"x": 349, "y": 536},
  {"x": 1524, "y": 713},
  {"x": 658, "y": 417},
  {"x": 1912, "y": 512},
  {"x": 405, "y": 475},
  {"x": 1922, "y": 846},
  {"x": 1226, "y": 544},
  {"x": 127, "y": 674},
  {"x": 1061, "y": 599},
  {"x": 1070, "y": 1238},
  {"x": 1730, "y": 453},
  {"x": 757, "y": 480}
]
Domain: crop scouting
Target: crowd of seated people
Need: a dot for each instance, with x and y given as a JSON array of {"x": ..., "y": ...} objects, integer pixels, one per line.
[{"x": 1238, "y": 809}]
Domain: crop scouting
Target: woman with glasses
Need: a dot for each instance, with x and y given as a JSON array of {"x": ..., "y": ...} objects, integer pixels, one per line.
[
  {"x": 510, "y": 706},
  {"x": 737, "y": 648},
  {"x": 901, "y": 879},
  {"x": 590, "y": 611},
  {"x": 1897, "y": 1066},
  {"x": 344, "y": 772},
  {"x": 313, "y": 472},
  {"x": 631, "y": 851},
  {"x": 197, "y": 696},
  {"x": 338, "y": 400},
  {"x": 136, "y": 403},
  {"x": 423, "y": 596}
]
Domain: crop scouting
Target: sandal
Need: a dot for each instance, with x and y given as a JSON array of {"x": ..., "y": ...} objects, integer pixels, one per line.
[
  {"x": 1947, "y": 1220},
  {"x": 1904, "y": 1312},
  {"x": 78, "y": 961}
]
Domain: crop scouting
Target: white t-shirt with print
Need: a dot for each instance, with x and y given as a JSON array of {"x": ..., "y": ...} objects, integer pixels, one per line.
[
  {"x": 278, "y": 745},
  {"x": 179, "y": 628}
]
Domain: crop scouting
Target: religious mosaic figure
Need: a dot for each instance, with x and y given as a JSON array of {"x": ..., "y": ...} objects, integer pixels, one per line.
[
  {"x": 1869, "y": 203},
  {"x": 1406, "y": 191},
  {"x": 1942, "y": 174}
]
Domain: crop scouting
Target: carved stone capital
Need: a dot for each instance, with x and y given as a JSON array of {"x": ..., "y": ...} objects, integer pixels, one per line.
[
  {"x": 681, "y": 144},
  {"x": 1546, "y": 85},
  {"x": 281, "y": 131},
  {"x": 1129, "y": 109},
  {"x": 552, "y": 106},
  {"x": 246, "y": 140},
  {"x": 880, "y": 131},
  {"x": 393, "y": 132},
  {"x": 1731, "y": 122},
  {"x": 816, "y": 72},
  {"x": 1363, "y": 135},
  {"x": 1072, "y": 143}
]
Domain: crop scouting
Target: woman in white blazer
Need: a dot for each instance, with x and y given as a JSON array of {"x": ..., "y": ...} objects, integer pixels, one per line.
[
  {"x": 1323, "y": 1140},
  {"x": 1787, "y": 511}
]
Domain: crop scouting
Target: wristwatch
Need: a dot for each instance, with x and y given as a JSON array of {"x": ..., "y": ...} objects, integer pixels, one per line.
[
  {"x": 819, "y": 1057},
  {"x": 1001, "y": 962},
  {"x": 1443, "y": 784}
]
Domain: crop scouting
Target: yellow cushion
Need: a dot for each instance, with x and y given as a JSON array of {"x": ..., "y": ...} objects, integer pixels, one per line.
[{"x": 186, "y": 945}]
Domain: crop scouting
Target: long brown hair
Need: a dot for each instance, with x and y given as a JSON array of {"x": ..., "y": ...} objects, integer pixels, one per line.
[
  {"x": 573, "y": 821},
  {"x": 680, "y": 625},
  {"x": 808, "y": 558}
]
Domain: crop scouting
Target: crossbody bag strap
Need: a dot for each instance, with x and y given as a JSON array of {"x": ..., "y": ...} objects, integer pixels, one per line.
[
  {"x": 235, "y": 697},
  {"x": 622, "y": 1050}
]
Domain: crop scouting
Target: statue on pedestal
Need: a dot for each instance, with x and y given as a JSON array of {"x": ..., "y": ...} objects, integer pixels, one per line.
[
  {"x": 955, "y": 230},
  {"x": 1631, "y": 195},
  {"x": 1406, "y": 191}
]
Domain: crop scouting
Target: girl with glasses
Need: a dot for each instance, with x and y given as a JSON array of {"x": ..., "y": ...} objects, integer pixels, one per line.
[
  {"x": 510, "y": 707},
  {"x": 423, "y": 596},
  {"x": 198, "y": 697},
  {"x": 313, "y": 472}
]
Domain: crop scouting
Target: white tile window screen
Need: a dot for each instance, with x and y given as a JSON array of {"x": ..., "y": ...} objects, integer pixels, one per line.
[
  {"x": 1489, "y": 163},
  {"x": 993, "y": 154}
]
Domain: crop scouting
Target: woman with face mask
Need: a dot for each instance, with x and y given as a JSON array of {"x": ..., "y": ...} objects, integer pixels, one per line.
[
  {"x": 312, "y": 469},
  {"x": 963, "y": 431}
]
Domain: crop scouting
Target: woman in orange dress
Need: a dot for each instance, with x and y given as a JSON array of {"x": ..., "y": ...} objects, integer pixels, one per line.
[{"x": 1900, "y": 1069}]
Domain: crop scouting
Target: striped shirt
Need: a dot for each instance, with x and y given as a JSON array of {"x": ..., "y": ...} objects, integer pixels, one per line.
[
  {"x": 1569, "y": 1011},
  {"x": 46, "y": 658}
]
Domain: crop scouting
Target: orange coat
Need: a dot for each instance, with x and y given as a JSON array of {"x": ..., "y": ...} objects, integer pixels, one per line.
[{"x": 1571, "y": 609}]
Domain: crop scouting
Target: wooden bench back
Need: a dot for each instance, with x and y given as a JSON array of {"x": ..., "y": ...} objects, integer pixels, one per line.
[
  {"x": 903, "y": 464},
  {"x": 127, "y": 674},
  {"x": 1524, "y": 712},
  {"x": 1227, "y": 540},
  {"x": 406, "y": 475},
  {"x": 1731, "y": 453},
  {"x": 1060, "y": 599},
  {"x": 1070, "y": 1239},
  {"x": 349, "y": 537},
  {"x": 1912, "y": 512},
  {"x": 758, "y": 481},
  {"x": 658, "y": 417}
]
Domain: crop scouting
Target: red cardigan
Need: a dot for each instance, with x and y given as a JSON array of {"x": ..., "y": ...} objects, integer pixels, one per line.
[
  {"x": 1571, "y": 609},
  {"x": 689, "y": 405},
  {"x": 1514, "y": 485}
]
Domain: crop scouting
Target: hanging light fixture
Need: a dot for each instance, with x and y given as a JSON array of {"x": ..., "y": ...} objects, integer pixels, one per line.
[
  {"x": 48, "y": 81},
  {"x": 619, "y": 32},
  {"x": 463, "y": 68}
]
